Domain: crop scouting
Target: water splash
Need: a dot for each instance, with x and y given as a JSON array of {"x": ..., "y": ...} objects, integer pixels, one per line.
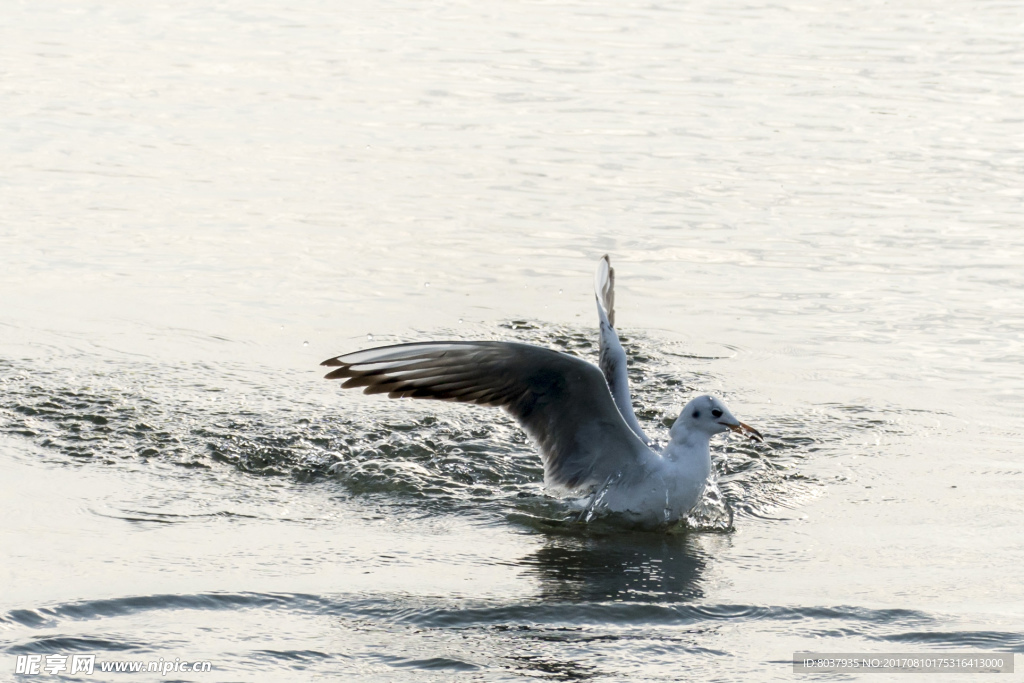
[
  {"x": 595, "y": 504},
  {"x": 439, "y": 456},
  {"x": 712, "y": 512}
]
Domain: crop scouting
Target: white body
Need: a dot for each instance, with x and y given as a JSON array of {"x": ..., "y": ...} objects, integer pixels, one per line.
[{"x": 667, "y": 486}]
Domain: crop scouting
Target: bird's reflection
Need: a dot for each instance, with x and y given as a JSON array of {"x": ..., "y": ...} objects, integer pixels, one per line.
[{"x": 631, "y": 567}]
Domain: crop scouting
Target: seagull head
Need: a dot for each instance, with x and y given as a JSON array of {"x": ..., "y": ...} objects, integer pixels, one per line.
[{"x": 709, "y": 415}]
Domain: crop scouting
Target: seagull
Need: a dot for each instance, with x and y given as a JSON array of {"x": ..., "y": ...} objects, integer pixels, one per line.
[{"x": 579, "y": 415}]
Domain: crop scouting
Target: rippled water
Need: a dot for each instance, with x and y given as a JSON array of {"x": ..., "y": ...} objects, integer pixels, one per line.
[{"x": 814, "y": 211}]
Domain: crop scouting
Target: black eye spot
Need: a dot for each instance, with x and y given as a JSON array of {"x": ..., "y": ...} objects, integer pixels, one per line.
[
  {"x": 696, "y": 414},
  {"x": 716, "y": 412}
]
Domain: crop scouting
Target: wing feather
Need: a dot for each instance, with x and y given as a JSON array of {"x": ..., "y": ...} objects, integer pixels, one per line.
[
  {"x": 613, "y": 357},
  {"x": 561, "y": 401}
]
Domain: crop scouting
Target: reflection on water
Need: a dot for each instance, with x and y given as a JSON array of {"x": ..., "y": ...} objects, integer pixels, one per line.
[{"x": 624, "y": 567}]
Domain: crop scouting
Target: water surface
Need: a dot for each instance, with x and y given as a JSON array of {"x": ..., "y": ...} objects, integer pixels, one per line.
[{"x": 814, "y": 211}]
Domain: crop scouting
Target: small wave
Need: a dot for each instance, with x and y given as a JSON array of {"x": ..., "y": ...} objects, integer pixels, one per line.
[
  {"x": 430, "y": 612},
  {"x": 296, "y": 655},
  {"x": 988, "y": 640},
  {"x": 431, "y": 664},
  {"x": 551, "y": 616},
  {"x": 74, "y": 644},
  {"x": 547, "y": 614},
  {"x": 114, "y": 607}
]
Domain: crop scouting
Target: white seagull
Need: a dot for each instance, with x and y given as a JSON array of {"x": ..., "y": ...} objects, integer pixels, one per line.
[{"x": 580, "y": 416}]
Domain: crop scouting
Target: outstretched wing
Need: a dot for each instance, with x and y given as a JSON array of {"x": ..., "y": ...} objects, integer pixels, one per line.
[
  {"x": 613, "y": 358},
  {"x": 561, "y": 401}
]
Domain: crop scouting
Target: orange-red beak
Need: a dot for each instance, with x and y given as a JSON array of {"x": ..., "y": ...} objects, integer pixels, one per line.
[{"x": 746, "y": 430}]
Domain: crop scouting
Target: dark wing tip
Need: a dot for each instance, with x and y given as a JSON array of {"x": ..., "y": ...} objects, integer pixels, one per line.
[
  {"x": 332, "y": 362},
  {"x": 338, "y": 374}
]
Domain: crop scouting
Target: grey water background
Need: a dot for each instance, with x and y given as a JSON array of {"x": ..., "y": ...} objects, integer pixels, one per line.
[{"x": 814, "y": 210}]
